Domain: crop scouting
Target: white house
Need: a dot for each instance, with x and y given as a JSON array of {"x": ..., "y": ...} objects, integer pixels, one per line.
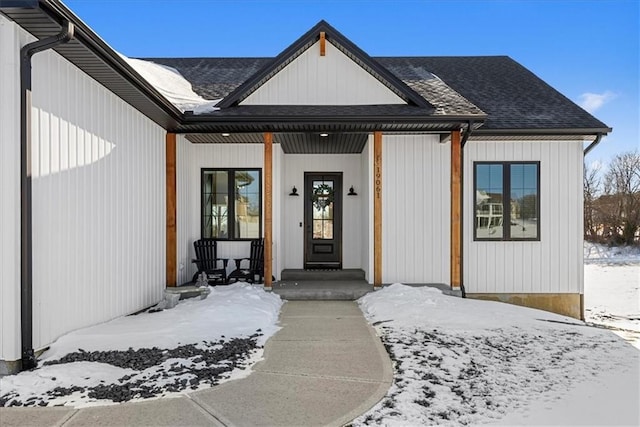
[{"x": 467, "y": 171}]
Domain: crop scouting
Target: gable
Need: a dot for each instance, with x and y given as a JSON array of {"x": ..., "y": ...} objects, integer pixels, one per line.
[{"x": 332, "y": 79}]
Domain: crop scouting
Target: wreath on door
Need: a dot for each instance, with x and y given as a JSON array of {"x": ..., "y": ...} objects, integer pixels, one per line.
[{"x": 322, "y": 196}]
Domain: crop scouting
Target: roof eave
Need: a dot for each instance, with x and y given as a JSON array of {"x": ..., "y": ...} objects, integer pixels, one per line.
[
  {"x": 544, "y": 131},
  {"x": 201, "y": 123},
  {"x": 58, "y": 13},
  {"x": 211, "y": 118}
]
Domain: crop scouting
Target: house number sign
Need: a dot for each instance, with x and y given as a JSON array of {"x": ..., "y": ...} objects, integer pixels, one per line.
[{"x": 378, "y": 176}]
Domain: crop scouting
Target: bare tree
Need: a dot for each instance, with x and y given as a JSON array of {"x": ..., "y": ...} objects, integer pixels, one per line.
[
  {"x": 591, "y": 189},
  {"x": 622, "y": 188}
]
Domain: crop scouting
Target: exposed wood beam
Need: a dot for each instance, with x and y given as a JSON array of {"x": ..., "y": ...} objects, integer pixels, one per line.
[
  {"x": 377, "y": 209},
  {"x": 172, "y": 243},
  {"x": 323, "y": 44},
  {"x": 268, "y": 208},
  {"x": 456, "y": 209}
]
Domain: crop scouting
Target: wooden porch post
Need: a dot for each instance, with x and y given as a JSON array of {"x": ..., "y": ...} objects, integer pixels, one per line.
[
  {"x": 268, "y": 207},
  {"x": 377, "y": 209},
  {"x": 456, "y": 209},
  {"x": 172, "y": 244}
]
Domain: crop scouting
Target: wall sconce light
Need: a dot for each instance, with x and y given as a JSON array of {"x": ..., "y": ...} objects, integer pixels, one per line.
[
  {"x": 294, "y": 191},
  {"x": 352, "y": 192}
]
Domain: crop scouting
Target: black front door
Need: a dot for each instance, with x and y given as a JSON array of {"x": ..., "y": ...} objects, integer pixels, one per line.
[{"x": 323, "y": 220}]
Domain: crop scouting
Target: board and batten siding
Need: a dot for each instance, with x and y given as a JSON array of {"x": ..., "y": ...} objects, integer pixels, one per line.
[
  {"x": 333, "y": 79},
  {"x": 555, "y": 263},
  {"x": 10, "y": 39},
  {"x": 295, "y": 165},
  {"x": 415, "y": 209},
  {"x": 98, "y": 200},
  {"x": 191, "y": 159}
]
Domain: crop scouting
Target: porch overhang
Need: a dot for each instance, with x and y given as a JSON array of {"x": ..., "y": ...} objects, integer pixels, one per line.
[{"x": 210, "y": 124}]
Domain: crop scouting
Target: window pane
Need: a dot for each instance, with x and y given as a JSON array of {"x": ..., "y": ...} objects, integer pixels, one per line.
[
  {"x": 247, "y": 206},
  {"x": 216, "y": 204},
  {"x": 322, "y": 212},
  {"x": 524, "y": 201},
  {"x": 489, "y": 201}
]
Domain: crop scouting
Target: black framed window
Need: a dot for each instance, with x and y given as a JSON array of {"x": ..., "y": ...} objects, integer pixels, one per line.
[
  {"x": 231, "y": 204},
  {"x": 506, "y": 200}
]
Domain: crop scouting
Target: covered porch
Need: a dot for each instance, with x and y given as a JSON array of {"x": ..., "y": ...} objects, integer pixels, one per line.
[{"x": 283, "y": 160}]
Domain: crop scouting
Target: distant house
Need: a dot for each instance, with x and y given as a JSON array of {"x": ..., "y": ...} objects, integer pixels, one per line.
[{"x": 464, "y": 171}]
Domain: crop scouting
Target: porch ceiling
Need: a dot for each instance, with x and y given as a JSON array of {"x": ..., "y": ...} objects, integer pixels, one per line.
[{"x": 293, "y": 143}]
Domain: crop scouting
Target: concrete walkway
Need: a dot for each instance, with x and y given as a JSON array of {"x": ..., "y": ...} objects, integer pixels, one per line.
[{"x": 325, "y": 367}]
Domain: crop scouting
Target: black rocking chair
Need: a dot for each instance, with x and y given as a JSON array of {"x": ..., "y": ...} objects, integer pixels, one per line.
[
  {"x": 208, "y": 262},
  {"x": 255, "y": 265}
]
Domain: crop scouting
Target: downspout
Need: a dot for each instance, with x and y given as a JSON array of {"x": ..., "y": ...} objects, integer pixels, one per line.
[
  {"x": 593, "y": 144},
  {"x": 26, "y": 231},
  {"x": 465, "y": 137}
]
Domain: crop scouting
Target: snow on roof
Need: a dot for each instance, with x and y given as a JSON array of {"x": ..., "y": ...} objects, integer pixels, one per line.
[{"x": 173, "y": 86}]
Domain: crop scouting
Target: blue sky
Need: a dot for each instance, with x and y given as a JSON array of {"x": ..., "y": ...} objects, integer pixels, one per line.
[{"x": 588, "y": 50}]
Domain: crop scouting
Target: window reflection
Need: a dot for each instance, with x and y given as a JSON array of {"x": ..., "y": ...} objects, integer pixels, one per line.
[
  {"x": 247, "y": 213},
  {"x": 216, "y": 204},
  {"x": 506, "y": 201},
  {"x": 222, "y": 219},
  {"x": 322, "y": 211},
  {"x": 489, "y": 206},
  {"x": 524, "y": 201}
]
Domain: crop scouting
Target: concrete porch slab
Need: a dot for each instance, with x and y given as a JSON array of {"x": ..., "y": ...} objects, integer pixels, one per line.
[
  {"x": 322, "y": 289},
  {"x": 303, "y": 275}
]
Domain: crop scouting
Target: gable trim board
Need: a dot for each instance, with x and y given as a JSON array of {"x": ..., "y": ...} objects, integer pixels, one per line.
[{"x": 119, "y": 167}]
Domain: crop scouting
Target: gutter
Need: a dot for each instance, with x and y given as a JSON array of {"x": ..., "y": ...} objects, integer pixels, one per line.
[
  {"x": 465, "y": 137},
  {"x": 26, "y": 230},
  {"x": 543, "y": 132},
  {"x": 595, "y": 142}
]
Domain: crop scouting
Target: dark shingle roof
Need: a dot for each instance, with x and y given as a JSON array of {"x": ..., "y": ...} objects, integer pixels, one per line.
[
  {"x": 511, "y": 96},
  {"x": 214, "y": 78}
]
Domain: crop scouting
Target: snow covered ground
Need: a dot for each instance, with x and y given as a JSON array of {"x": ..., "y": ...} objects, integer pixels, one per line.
[
  {"x": 612, "y": 289},
  {"x": 460, "y": 361},
  {"x": 197, "y": 344},
  {"x": 457, "y": 361}
]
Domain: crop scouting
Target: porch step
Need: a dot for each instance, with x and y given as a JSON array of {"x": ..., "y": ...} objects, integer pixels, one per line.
[
  {"x": 322, "y": 275},
  {"x": 350, "y": 290}
]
